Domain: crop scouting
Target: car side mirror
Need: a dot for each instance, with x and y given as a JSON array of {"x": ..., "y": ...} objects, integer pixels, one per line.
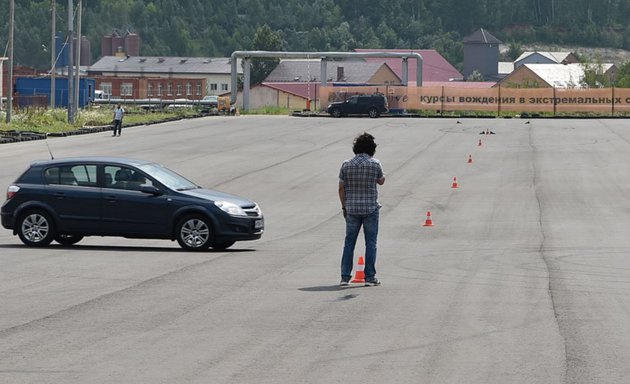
[{"x": 151, "y": 190}]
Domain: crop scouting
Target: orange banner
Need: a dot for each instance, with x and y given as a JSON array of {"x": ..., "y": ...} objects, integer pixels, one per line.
[{"x": 551, "y": 100}]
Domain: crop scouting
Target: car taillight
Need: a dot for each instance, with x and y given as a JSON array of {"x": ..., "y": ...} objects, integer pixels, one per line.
[{"x": 11, "y": 191}]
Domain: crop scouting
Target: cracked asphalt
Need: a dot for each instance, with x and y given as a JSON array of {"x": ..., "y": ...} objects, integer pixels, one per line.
[{"x": 524, "y": 277}]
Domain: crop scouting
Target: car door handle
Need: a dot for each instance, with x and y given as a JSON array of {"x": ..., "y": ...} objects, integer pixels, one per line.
[
  {"x": 59, "y": 195},
  {"x": 111, "y": 199}
]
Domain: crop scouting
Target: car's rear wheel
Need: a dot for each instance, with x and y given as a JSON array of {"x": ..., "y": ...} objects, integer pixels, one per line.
[
  {"x": 373, "y": 112},
  {"x": 223, "y": 245},
  {"x": 68, "y": 239},
  {"x": 336, "y": 112},
  {"x": 194, "y": 233},
  {"x": 36, "y": 228}
]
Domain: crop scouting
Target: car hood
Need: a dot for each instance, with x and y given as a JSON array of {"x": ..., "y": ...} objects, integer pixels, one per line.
[{"x": 209, "y": 194}]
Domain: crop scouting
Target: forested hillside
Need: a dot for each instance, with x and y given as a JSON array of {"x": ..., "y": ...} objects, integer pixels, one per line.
[{"x": 216, "y": 28}]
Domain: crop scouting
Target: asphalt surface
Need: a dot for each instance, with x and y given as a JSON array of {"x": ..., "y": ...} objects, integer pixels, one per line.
[{"x": 524, "y": 277}]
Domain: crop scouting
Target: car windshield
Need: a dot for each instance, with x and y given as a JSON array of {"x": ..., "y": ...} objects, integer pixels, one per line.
[{"x": 168, "y": 177}]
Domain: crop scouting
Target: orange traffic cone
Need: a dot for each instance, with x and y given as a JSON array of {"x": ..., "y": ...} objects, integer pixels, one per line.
[
  {"x": 455, "y": 185},
  {"x": 469, "y": 158},
  {"x": 428, "y": 222},
  {"x": 479, "y": 145},
  {"x": 359, "y": 276}
]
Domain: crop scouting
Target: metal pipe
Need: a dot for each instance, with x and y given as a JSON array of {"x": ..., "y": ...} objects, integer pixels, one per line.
[
  {"x": 323, "y": 68},
  {"x": 322, "y": 55},
  {"x": 246, "y": 80}
]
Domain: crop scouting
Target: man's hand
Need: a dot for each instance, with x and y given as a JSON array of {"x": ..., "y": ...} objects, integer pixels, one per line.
[{"x": 343, "y": 211}]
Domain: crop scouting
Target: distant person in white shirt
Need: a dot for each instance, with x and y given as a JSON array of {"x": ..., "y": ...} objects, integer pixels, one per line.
[{"x": 119, "y": 112}]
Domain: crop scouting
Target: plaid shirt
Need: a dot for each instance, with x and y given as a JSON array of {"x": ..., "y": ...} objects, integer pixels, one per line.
[{"x": 359, "y": 176}]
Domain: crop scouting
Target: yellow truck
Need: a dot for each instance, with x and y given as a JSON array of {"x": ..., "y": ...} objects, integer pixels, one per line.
[{"x": 221, "y": 104}]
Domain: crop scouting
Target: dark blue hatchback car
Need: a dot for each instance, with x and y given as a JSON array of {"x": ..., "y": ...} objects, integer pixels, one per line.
[{"x": 66, "y": 199}]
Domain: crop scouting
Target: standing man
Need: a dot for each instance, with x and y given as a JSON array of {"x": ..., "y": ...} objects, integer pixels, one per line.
[
  {"x": 119, "y": 112},
  {"x": 358, "y": 194}
]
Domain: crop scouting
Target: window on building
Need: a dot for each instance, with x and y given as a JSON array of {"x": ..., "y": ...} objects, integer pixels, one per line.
[
  {"x": 150, "y": 89},
  {"x": 213, "y": 87},
  {"x": 224, "y": 87},
  {"x": 188, "y": 89},
  {"x": 179, "y": 89},
  {"x": 160, "y": 90},
  {"x": 126, "y": 89},
  {"x": 107, "y": 89},
  {"x": 198, "y": 89},
  {"x": 169, "y": 89}
]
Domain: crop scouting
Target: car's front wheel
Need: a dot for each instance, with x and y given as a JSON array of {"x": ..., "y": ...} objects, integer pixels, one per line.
[
  {"x": 194, "y": 233},
  {"x": 335, "y": 112},
  {"x": 373, "y": 113},
  {"x": 36, "y": 228},
  {"x": 68, "y": 239}
]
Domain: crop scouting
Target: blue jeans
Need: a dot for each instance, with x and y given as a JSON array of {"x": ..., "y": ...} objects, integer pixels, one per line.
[
  {"x": 118, "y": 126},
  {"x": 370, "y": 232}
]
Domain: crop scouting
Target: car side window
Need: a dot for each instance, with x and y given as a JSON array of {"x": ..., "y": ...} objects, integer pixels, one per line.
[
  {"x": 117, "y": 177},
  {"x": 84, "y": 175},
  {"x": 52, "y": 175},
  {"x": 81, "y": 175},
  {"x": 353, "y": 100}
]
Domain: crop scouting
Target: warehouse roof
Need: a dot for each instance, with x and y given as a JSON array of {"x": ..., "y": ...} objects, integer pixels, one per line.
[{"x": 155, "y": 64}]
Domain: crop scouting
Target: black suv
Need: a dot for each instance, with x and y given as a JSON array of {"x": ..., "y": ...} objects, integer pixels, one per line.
[
  {"x": 371, "y": 105},
  {"x": 65, "y": 200}
]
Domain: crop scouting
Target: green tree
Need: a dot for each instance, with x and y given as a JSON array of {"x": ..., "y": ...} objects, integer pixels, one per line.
[
  {"x": 265, "y": 40},
  {"x": 514, "y": 50},
  {"x": 475, "y": 76},
  {"x": 594, "y": 75},
  {"x": 623, "y": 76},
  {"x": 213, "y": 28}
]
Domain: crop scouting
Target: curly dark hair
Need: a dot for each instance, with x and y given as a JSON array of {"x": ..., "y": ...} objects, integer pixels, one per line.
[{"x": 364, "y": 143}]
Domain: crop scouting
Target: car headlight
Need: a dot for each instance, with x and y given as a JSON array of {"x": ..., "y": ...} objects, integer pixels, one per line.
[{"x": 230, "y": 208}]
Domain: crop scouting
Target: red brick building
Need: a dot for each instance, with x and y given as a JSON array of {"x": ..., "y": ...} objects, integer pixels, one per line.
[
  {"x": 151, "y": 87},
  {"x": 162, "y": 77}
]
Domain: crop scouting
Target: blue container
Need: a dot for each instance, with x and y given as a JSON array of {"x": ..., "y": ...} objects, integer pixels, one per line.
[{"x": 35, "y": 91}]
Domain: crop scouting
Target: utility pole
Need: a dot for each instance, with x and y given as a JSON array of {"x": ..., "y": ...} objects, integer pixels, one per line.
[
  {"x": 10, "y": 93},
  {"x": 70, "y": 62},
  {"x": 2, "y": 59},
  {"x": 53, "y": 54},
  {"x": 77, "y": 76}
]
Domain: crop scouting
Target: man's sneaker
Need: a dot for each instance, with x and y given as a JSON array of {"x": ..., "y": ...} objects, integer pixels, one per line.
[
  {"x": 344, "y": 283},
  {"x": 372, "y": 283}
]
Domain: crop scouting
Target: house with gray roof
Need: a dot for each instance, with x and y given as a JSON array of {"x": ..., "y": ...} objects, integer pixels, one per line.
[
  {"x": 294, "y": 83},
  {"x": 544, "y": 57},
  {"x": 174, "y": 76},
  {"x": 347, "y": 72},
  {"x": 553, "y": 75}
]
